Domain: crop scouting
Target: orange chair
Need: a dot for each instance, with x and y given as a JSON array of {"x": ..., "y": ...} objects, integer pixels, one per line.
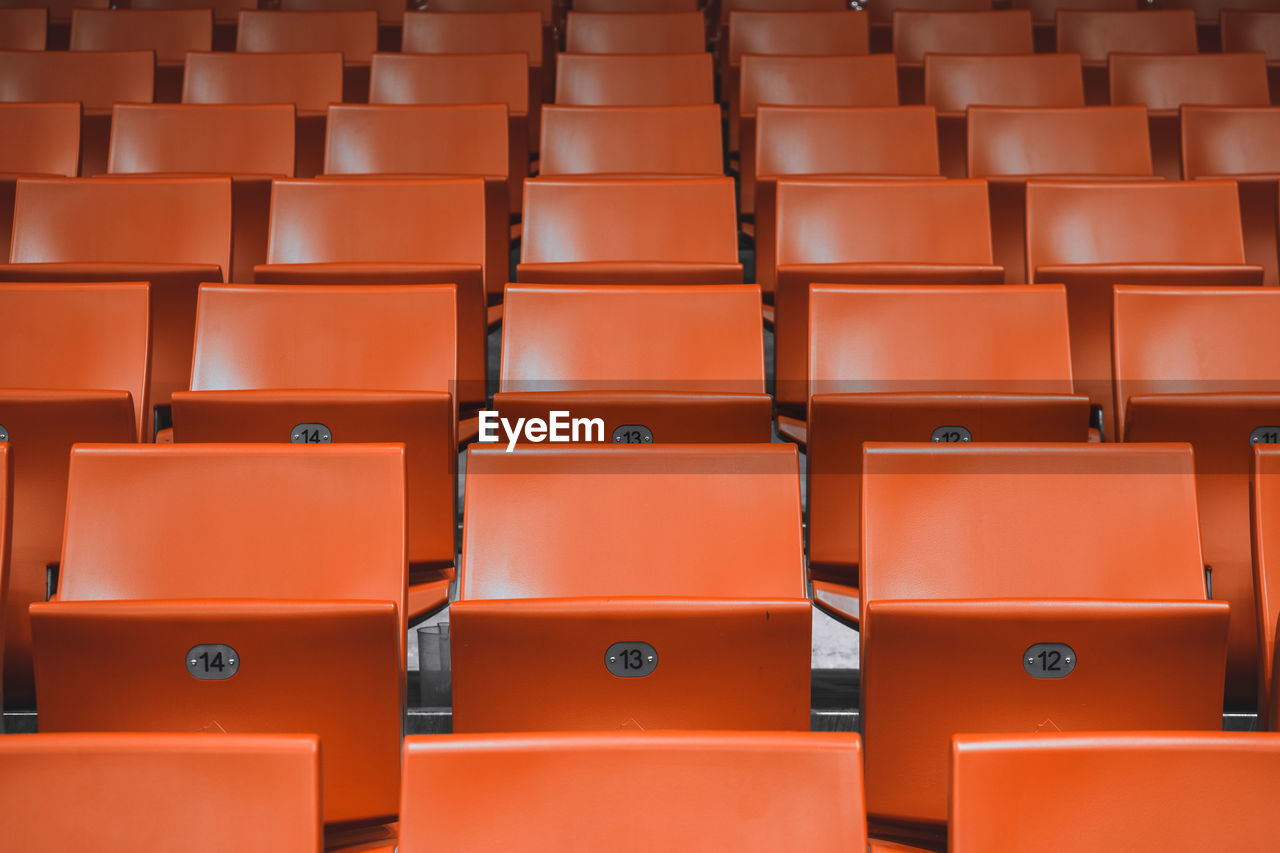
[
  {"x": 1264, "y": 525},
  {"x": 686, "y": 791},
  {"x": 250, "y": 143},
  {"x": 636, "y": 6},
  {"x": 371, "y": 231},
  {"x": 561, "y": 548},
  {"x": 643, "y": 80},
  {"x": 629, "y": 231},
  {"x": 1092, "y": 235},
  {"x": 1191, "y": 365},
  {"x": 170, "y": 33},
  {"x": 97, "y": 79},
  {"x": 551, "y": 12},
  {"x": 89, "y": 383},
  {"x": 685, "y": 364},
  {"x": 841, "y": 33},
  {"x": 390, "y": 15},
  {"x": 35, "y": 139},
  {"x": 1124, "y": 791},
  {"x": 626, "y": 33},
  {"x": 172, "y": 232},
  {"x": 1095, "y": 35},
  {"x": 271, "y": 358},
  {"x": 137, "y": 792},
  {"x": 809, "y": 81},
  {"x": 1008, "y": 145},
  {"x": 898, "y": 142},
  {"x": 899, "y": 363},
  {"x": 1038, "y": 552},
  {"x": 1209, "y": 13},
  {"x": 953, "y": 84},
  {"x": 679, "y": 141},
  {"x": 869, "y": 232},
  {"x": 1163, "y": 84},
  {"x": 1044, "y": 16},
  {"x": 457, "y": 140},
  {"x": 225, "y": 15},
  {"x": 917, "y": 33},
  {"x": 1244, "y": 31},
  {"x": 23, "y": 29},
  {"x": 59, "y": 17},
  {"x": 353, "y": 33},
  {"x": 309, "y": 81},
  {"x": 470, "y": 79},
  {"x": 287, "y": 554},
  {"x": 882, "y": 12},
  {"x": 1239, "y": 143}
]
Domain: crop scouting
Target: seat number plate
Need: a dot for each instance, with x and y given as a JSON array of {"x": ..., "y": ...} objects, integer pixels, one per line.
[
  {"x": 951, "y": 435},
  {"x": 1261, "y": 435},
  {"x": 632, "y": 434},
  {"x": 4, "y": 433},
  {"x": 1049, "y": 660},
  {"x": 212, "y": 662},
  {"x": 311, "y": 434},
  {"x": 631, "y": 659}
]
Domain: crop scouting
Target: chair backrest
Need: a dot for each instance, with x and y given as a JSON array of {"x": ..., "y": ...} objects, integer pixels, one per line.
[
  {"x": 225, "y": 12},
  {"x": 1168, "y": 82},
  {"x": 900, "y": 141},
  {"x": 351, "y": 220},
  {"x": 474, "y": 32},
  {"x": 883, "y": 221},
  {"x": 1193, "y": 340},
  {"x": 1244, "y": 30},
  {"x": 137, "y": 220},
  {"x": 1230, "y": 141},
  {"x": 967, "y": 521},
  {"x": 882, "y": 11},
  {"x": 169, "y": 32},
  {"x": 24, "y": 29},
  {"x": 917, "y": 33},
  {"x": 140, "y": 788},
  {"x": 97, "y": 79},
  {"x": 223, "y": 139},
  {"x": 1266, "y": 574},
  {"x": 1208, "y": 12},
  {"x": 797, "y": 34},
  {"x": 1095, "y": 35},
  {"x": 659, "y": 337},
  {"x": 358, "y": 337},
  {"x": 40, "y": 139},
  {"x": 569, "y": 220},
  {"x": 309, "y": 81},
  {"x": 728, "y": 7},
  {"x": 822, "y": 81},
  {"x": 954, "y": 83},
  {"x": 1058, "y": 141},
  {"x": 1118, "y": 222},
  {"x": 77, "y": 337},
  {"x": 688, "y": 790},
  {"x": 60, "y": 10},
  {"x": 1139, "y": 790},
  {"x": 544, "y": 8},
  {"x": 636, "y": 5},
  {"x": 956, "y": 338},
  {"x": 390, "y": 12},
  {"x": 274, "y": 521},
  {"x": 1045, "y": 12},
  {"x": 462, "y": 139},
  {"x": 540, "y": 522},
  {"x": 353, "y": 33},
  {"x": 665, "y": 140},
  {"x": 637, "y": 80},
  {"x": 498, "y": 78},
  {"x": 627, "y": 33}
]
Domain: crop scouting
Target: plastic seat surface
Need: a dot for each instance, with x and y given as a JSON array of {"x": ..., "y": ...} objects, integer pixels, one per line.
[
  {"x": 169, "y": 32},
  {"x": 309, "y": 81},
  {"x": 670, "y": 140},
  {"x": 1264, "y": 524},
  {"x": 352, "y": 33},
  {"x": 23, "y": 29},
  {"x": 35, "y": 139},
  {"x": 632, "y": 33},
  {"x": 634, "y": 80}
]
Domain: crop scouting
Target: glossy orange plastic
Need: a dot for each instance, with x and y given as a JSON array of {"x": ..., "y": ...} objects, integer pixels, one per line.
[
  {"x": 999, "y": 547},
  {"x": 684, "y": 790},
  {"x": 225, "y": 12},
  {"x": 1265, "y": 526},
  {"x": 371, "y": 363},
  {"x": 632, "y": 33},
  {"x": 883, "y": 11},
  {"x": 1244, "y": 30},
  {"x": 636, "y": 5},
  {"x": 352, "y": 32},
  {"x": 6, "y": 538},
  {"x": 170, "y": 33},
  {"x": 1092, "y": 235},
  {"x": 1096, "y": 34},
  {"x": 35, "y": 139},
  {"x": 464, "y": 79},
  {"x": 895, "y": 142},
  {"x": 895, "y": 363},
  {"x": 137, "y": 792},
  {"x": 390, "y": 12},
  {"x": 97, "y": 79},
  {"x": 1191, "y": 365},
  {"x": 634, "y": 80},
  {"x": 23, "y": 29},
  {"x": 75, "y": 369},
  {"x": 1008, "y": 145},
  {"x": 674, "y": 141},
  {"x": 556, "y": 555},
  {"x": 308, "y": 564},
  {"x": 870, "y": 232},
  {"x": 483, "y": 27},
  {"x": 629, "y": 231},
  {"x": 686, "y": 362},
  {"x": 1121, "y": 791},
  {"x": 986, "y": 33}
]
